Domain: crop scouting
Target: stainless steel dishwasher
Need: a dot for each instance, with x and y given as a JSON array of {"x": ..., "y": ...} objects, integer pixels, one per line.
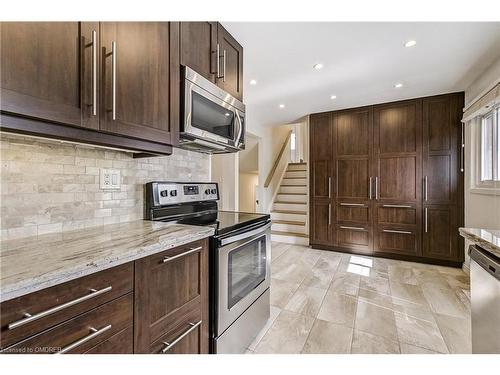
[{"x": 485, "y": 300}]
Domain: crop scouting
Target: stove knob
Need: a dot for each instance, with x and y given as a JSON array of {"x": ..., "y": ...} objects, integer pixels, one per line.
[
  {"x": 164, "y": 193},
  {"x": 207, "y": 192},
  {"x": 214, "y": 191},
  {"x": 173, "y": 193}
]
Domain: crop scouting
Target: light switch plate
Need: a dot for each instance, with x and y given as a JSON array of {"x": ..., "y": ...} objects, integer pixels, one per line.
[{"x": 109, "y": 179}]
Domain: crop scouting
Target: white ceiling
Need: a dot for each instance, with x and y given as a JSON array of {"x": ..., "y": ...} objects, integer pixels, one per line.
[{"x": 362, "y": 62}]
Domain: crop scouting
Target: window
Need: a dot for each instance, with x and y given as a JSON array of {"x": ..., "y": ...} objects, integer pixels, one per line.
[{"x": 489, "y": 158}]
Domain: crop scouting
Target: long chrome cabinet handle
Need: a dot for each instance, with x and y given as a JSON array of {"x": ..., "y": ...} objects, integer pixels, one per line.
[
  {"x": 426, "y": 219},
  {"x": 94, "y": 333},
  {"x": 462, "y": 149},
  {"x": 329, "y": 214},
  {"x": 94, "y": 73},
  {"x": 397, "y": 206},
  {"x": 370, "y": 188},
  {"x": 30, "y": 318},
  {"x": 195, "y": 250},
  {"x": 376, "y": 188},
  {"x": 170, "y": 345},
  {"x": 396, "y": 231},
  {"x": 224, "y": 66},
  {"x": 329, "y": 187},
  {"x": 113, "y": 78},
  {"x": 425, "y": 188},
  {"x": 353, "y": 228},
  {"x": 218, "y": 61},
  {"x": 353, "y": 204}
]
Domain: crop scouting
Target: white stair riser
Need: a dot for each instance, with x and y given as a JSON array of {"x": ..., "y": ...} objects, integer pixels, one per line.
[
  {"x": 289, "y": 228},
  {"x": 296, "y": 174},
  {"x": 290, "y": 207},
  {"x": 290, "y": 239},
  {"x": 294, "y": 181},
  {"x": 293, "y": 189},
  {"x": 297, "y": 166},
  {"x": 289, "y": 217},
  {"x": 291, "y": 198}
]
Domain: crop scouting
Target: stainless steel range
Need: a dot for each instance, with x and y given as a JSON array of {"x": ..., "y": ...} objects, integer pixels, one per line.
[{"x": 240, "y": 259}]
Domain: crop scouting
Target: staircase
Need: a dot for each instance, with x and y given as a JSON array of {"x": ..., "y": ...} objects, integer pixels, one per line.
[{"x": 291, "y": 207}]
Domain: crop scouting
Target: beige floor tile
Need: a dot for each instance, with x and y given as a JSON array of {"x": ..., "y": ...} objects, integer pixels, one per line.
[
  {"x": 322, "y": 273},
  {"x": 412, "y": 349},
  {"x": 366, "y": 343},
  {"x": 418, "y": 332},
  {"x": 306, "y": 301},
  {"x": 326, "y": 337},
  {"x": 458, "y": 281},
  {"x": 278, "y": 249},
  {"x": 376, "y": 320},
  {"x": 292, "y": 272},
  {"x": 338, "y": 308},
  {"x": 408, "y": 295},
  {"x": 281, "y": 292},
  {"x": 445, "y": 301},
  {"x": 456, "y": 333},
  {"x": 376, "y": 283},
  {"x": 345, "y": 283},
  {"x": 403, "y": 275},
  {"x": 431, "y": 278},
  {"x": 275, "y": 311},
  {"x": 379, "y": 299},
  {"x": 287, "y": 335}
]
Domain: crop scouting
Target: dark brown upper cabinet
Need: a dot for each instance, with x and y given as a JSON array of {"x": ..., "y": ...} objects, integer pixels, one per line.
[
  {"x": 198, "y": 47},
  {"x": 140, "y": 80},
  {"x": 47, "y": 71},
  {"x": 230, "y": 65}
]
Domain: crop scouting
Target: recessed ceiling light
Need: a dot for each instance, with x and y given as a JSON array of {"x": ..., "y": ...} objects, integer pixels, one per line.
[
  {"x": 398, "y": 85},
  {"x": 318, "y": 66},
  {"x": 253, "y": 82},
  {"x": 282, "y": 106},
  {"x": 410, "y": 43},
  {"x": 333, "y": 97}
]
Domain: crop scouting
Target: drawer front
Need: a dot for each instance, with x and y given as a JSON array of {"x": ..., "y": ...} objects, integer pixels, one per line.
[
  {"x": 353, "y": 236},
  {"x": 59, "y": 303},
  {"x": 120, "y": 343},
  {"x": 82, "y": 333},
  {"x": 353, "y": 212},
  {"x": 397, "y": 241},
  {"x": 397, "y": 214},
  {"x": 184, "y": 337}
]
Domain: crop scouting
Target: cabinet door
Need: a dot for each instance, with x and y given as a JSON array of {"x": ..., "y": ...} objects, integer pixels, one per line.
[
  {"x": 230, "y": 63},
  {"x": 321, "y": 223},
  {"x": 47, "y": 71},
  {"x": 397, "y": 151},
  {"x": 172, "y": 296},
  {"x": 440, "y": 233},
  {"x": 198, "y": 41},
  {"x": 321, "y": 156},
  {"x": 140, "y": 75},
  {"x": 441, "y": 127}
]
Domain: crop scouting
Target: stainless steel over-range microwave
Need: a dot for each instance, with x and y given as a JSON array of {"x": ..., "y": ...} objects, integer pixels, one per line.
[{"x": 212, "y": 121}]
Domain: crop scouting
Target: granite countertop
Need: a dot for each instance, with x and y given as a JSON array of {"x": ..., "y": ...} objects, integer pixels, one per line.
[
  {"x": 34, "y": 263},
  {"x": 488, "y": 239}
]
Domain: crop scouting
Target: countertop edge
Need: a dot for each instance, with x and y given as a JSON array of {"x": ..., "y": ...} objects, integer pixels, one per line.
[
  {"x": 484, "y": 243},
  {"x": 20, "y": 289}
]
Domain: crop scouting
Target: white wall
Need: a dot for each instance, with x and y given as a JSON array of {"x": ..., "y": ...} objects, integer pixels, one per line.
[{"x": 247, "y": 184}]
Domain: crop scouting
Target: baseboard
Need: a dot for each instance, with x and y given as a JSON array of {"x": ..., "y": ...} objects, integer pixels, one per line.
[{"x": 290, "y": 239}]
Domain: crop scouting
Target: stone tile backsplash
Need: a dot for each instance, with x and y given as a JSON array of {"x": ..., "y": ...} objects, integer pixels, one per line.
[{"x": 51, "y": 186}]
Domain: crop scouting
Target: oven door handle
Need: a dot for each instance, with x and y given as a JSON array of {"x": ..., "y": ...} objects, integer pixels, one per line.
[{"x": 244, "y": 235}]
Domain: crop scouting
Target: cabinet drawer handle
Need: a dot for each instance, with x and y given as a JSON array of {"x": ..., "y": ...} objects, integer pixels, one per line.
[
  {"x": 329, "y": 214},
  {"x": 218, "y": 61},
  {"x": 113, "y": 79},
  {"x": 353, "y": 204},
  {"x": 397, "y": 231},
  {"x": 224, "y": 66},
  {"x": 329, "y": 187},
  {"x": 93, "y": 333},
  {"x": 426, "y": 219},
  {"x": 425, "y": 188},
  {"x": 376, "y": 188},
  {"x": 195, "y": 250},
  {"x": 396, "y": 206},
  {"x": 170, "y": 345},
  {"x": 353, "y": 228},
  {"x": 94, "y": 73},
  {"x": 30, "y": 318},
  {"x": 370, "y": 188}
]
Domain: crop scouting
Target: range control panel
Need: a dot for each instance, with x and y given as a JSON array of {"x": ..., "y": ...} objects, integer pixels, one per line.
[{"x": 177, "y": 192}]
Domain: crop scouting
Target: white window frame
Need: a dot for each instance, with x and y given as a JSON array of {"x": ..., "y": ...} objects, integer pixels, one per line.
[{"x": 487, "y": 186}]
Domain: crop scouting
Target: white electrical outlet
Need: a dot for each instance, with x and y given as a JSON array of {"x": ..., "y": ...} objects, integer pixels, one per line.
[{"x": 109, "y": 179}]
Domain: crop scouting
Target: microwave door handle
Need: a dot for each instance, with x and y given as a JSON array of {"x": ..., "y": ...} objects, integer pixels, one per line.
[{"x": 240, "y": 129}]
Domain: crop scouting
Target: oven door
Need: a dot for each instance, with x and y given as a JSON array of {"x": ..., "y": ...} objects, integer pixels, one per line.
[
  {"x": 209, "y": 118},
  {"x": 244, "y": 273}
]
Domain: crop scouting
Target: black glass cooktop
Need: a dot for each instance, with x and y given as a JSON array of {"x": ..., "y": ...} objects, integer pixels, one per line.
[{"x": 225, "y": 221}]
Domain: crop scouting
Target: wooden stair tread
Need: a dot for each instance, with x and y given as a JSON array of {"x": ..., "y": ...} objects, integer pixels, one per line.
[
  {"x": 292, "y": 193},
  {"x": 293, "y": 234},
  {"x": 290, "y": 212},
  {"x": 296, "y": 170},
  {"x": 294, "y": 185},
  {"x": 287, "y": 202},
  {"x": 293, "y": 178},
  {"x": 303, "y": 163},
  {"x": 289, "y": 222}
]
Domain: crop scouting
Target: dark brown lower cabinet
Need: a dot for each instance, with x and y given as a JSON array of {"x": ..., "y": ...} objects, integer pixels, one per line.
[{"x": 392, "y": 179}]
